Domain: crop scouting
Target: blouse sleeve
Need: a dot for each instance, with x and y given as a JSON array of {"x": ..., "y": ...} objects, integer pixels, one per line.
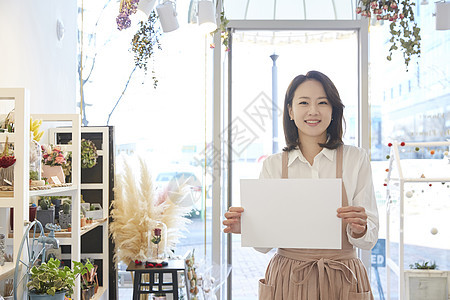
[
  {"x": 264, "y": 175},
  {"x": 365, "y": 196}
]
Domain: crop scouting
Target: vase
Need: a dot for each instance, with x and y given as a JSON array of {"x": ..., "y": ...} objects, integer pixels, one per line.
[
  {"x": 157, "y": 240},
  {"x": 35, "y": 160},
  {"x": 51, "y": 171}
]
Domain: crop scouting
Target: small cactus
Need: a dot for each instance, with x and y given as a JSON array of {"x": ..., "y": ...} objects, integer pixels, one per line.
[
  {"x": 44, "y": 203},
  {"x": 66, "y": 207}
]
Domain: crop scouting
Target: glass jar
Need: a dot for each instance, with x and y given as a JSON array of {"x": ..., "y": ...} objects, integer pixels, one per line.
[
  {"x": 157, "y": 241},
  {"x": 35, "y": 160}
]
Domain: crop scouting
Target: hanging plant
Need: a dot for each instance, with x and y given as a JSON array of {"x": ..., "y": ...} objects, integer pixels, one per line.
[
  {"x": 405, "y": 34},
  {"x": 126, "y": 8},
  {"x": 222, "y": 28},
  {"x": 144, "y": 43}
]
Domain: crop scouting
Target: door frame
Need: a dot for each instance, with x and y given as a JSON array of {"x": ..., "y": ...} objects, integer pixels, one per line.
[{"x": 221, "y": 244}]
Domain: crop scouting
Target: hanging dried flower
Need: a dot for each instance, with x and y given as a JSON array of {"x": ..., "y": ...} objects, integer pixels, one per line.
[
  {"x": 144, "y": 43},
  {"x": 403, "y": 28}
]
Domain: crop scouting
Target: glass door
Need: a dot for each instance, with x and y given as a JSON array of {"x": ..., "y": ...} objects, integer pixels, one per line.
[{"x": 263, "y": 64}]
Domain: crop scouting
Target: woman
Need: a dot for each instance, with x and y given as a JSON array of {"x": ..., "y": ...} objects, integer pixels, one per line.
[{"x": 313, "y": 116}]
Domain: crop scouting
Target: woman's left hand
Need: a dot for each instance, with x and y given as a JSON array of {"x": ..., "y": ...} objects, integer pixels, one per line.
[{"x": 356, "y": 217}]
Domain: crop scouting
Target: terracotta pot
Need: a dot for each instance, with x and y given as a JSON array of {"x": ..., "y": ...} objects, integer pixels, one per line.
[
  {"x": 50, "y": 171},
  {"x": 83, "y": 222}
]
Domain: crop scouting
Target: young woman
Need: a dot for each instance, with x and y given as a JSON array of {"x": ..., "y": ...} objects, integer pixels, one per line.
[{"x": 313, "y": 116}]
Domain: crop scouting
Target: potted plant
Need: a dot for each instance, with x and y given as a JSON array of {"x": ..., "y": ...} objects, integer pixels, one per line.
[
  {"x": 69, "y": 228},
  {"x": 425, "y": 281},
  {"x": 48, "y": 279},
  {"x": 90, "y": 282},
  {"x": 53, "y": 159},
  {"x": 82, "y": 220},
  {"x": 46, "y": 212},
  {"x": 89, "y": 220},
  {"x": 65, "y": 215}
]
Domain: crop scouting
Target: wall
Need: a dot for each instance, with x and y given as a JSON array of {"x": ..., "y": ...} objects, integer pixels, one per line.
[{"x": 31, "y": 55}]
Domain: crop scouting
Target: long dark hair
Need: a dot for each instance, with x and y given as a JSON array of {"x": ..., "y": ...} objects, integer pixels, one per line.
[{"x": 334, "y": 130}]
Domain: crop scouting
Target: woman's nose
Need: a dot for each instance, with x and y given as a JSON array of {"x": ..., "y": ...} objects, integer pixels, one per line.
[{"x": 312, "y": 109}]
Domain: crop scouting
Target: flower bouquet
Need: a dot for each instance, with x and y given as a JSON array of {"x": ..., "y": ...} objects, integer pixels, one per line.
[{"x": 53, "y": 159}]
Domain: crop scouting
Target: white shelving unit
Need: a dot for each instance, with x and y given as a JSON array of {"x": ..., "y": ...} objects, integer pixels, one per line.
[
  {"x": 396, "y": 192},
  {"x": 20, "y": 200},
  {"x": 103, "y": 153}
]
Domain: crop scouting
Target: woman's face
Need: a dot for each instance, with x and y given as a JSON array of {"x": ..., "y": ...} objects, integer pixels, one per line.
[{"x": 311, "y": 110}]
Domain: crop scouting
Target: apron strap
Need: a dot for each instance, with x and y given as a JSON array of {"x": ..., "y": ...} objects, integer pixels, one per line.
[
  {"x": 339, "y": 159},
  {"x": 284, "y": 164}
]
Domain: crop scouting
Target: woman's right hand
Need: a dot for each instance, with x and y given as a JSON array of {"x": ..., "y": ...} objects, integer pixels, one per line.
[{"x": 233, "y": 220}]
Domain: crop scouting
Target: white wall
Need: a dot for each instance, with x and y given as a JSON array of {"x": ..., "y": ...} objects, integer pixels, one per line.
[{"x": 31, "y": 55}]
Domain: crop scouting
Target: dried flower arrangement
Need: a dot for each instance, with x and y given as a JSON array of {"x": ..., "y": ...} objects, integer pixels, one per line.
[
  {"x": 136, "y": 210},
  {"x": 144, "y": 43}
]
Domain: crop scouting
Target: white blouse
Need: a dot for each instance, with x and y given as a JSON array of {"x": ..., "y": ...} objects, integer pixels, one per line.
[{"x": 357, "y": 178}]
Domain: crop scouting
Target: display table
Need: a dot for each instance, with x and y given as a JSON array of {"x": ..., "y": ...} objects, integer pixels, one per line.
[{"x": 156, "y": 282}]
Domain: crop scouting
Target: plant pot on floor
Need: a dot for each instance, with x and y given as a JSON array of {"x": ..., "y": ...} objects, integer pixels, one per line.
[{"x": 57, "y": 296}]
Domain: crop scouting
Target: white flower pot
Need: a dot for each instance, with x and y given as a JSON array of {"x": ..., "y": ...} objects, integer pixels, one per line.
[{"x": 427, "y": 284}]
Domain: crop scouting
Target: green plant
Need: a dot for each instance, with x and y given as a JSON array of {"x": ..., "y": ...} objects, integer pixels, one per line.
[
  {"x": 88, "y": 154},
  {"x": 66, "y": 206},
  {"x": 144, "y": 43},
  {"x": 45, "y": 203},
  {"x": 424, "y": 265},
  {"x": 405, "y": 34},
  {"x": 222, "y": 28},
  {"x": 34, "y": 175},
  {"x": 49, "y": 278}
]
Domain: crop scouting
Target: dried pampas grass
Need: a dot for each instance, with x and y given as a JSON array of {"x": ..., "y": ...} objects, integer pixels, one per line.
[{"x": 136, "y": 210}]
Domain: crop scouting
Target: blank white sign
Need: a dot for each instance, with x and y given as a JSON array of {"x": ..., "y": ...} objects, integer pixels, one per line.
[{"x": 291, "y": 213}]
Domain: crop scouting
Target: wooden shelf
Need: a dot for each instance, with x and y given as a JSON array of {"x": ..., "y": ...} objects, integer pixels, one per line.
[
  {"x": 67, "y": 234},
  {"x": 59, "y": 191},
  {"x": 7, "y": 270}
]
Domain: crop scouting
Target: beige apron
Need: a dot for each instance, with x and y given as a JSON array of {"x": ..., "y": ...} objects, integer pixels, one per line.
[{"x": 316, "y": 274}]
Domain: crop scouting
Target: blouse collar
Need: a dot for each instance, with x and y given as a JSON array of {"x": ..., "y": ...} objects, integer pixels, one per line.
[{"x": 297, "y": 153}]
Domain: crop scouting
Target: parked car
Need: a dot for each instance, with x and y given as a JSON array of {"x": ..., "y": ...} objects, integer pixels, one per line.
[{"x": 193, "y": 188}]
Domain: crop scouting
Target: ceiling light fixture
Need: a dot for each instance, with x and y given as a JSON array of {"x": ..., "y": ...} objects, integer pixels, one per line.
[
  {"x": 207, "y": 16},
  {"x": 442, "y": 15},
  {"x": 168, "y": 16}
]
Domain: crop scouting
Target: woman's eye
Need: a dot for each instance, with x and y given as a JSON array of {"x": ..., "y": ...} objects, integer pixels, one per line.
[
  {"x": 323, "y": 102},
  {"x": 303, "y": 102}
]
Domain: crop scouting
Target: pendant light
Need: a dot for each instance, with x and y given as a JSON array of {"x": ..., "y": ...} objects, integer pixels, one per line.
[
  {"x": 168, "y": 16},
  {"x": 207, "y": 16},
  {"x": 442, "y": 15}
]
